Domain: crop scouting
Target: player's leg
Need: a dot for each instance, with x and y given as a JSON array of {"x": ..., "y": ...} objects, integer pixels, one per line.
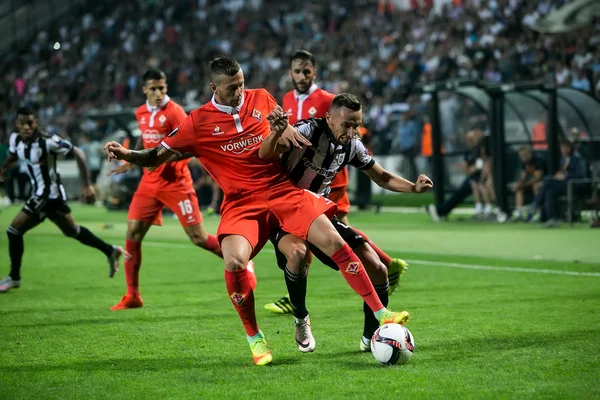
[
  {"x": 309, "y": 218},
  {"x": 378, "y": 273},
  {"x": 184, "y": 204},
  {"x": 63, "y": 219},
  {"x": 144, "y": 211},
  {"x": 236, "y": 254},
  {"x": 24, "y": 221},
  {"x": 201, "y": 238},
  {"x": 295, "y": 251},
  {"x": 324, "y": 236},
  {"x": 476, "y": 197}
]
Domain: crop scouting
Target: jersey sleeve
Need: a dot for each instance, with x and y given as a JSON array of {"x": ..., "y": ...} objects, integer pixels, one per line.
[
  {"x": 306, "y": 127},
  {"x": 57, "y": 145},
  {"x": 181, "y": 139},
  {"x": 362, "y": 158},
  {"x": 176, "y": 117},
  {"x": 12, "y": 144},
  {"x": 271, "y": 102}
]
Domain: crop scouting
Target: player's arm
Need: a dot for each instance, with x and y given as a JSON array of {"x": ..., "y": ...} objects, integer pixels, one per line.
[
  {"x": 81, "y": 161},
  {"x": 395, "y": 183},
  {"x": 283, "y": 136},
  {"x": 144, "y": 158},
  {"x": 10, "y": 162}
]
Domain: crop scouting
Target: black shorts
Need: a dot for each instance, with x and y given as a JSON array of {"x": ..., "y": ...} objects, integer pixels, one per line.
[
  {"x": 41, "y": 207},
  {"x": 349, "y": 235}
]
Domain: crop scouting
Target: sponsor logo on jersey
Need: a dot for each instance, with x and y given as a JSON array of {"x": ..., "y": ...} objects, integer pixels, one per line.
[
  {"x": 153, "y": 136},
  {"x": 239, "y": 145},
  {"x": 321, "y": 171},
  {"x": 217, "y": 131}
]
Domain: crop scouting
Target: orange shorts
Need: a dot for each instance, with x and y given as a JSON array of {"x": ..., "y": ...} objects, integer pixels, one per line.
[
  {"x": 286, "y": 206},
  {"x": 340, "y": 197},
  {"x": 148, "y": 202}
]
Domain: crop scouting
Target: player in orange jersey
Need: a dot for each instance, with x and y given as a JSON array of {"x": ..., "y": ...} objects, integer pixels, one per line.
[
  {"x": 167, "y": 185},
  {"x": 308, "y": 100},
  {"x": 226, "y": 134}
]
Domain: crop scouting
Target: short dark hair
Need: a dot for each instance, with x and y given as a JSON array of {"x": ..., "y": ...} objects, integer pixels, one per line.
[
  {"x": 347, "y": 100},
  {"x": 154, "y": 74},
  {"x": 304, "y": 55},
  {"x": 25, "y": 110},
  {"x": 223, "y": 66}
]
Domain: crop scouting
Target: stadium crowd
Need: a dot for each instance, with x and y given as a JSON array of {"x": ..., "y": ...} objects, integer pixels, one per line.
[{"x": 92, "y": 60}]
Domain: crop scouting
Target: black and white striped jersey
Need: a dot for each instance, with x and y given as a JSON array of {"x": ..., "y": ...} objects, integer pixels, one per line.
[
  {"x": 314, "y": 167},
  {"x": 39, "y": 155}
]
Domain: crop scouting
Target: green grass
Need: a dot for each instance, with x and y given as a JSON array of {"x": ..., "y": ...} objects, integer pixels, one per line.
[{"x": 479, "y": 333}]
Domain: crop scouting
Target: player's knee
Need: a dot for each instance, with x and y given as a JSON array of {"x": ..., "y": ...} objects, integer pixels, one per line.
[
  {"x": 297, "y": 255},
  {"x": 71, "y": 232},
  {"x": 235, "y": 263},
  {"x": 372, "y": 264},
  {"x": 198, "y": 237},
  {"x": 11, "y": 230},
  {"x": 134, "y": 234}
]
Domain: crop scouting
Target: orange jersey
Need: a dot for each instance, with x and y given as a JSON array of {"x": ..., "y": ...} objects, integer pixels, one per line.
[
  {"x": 156, "y": 123},
  {"x": 313, "y": 104},
  {"x": 226, "y": 141}
]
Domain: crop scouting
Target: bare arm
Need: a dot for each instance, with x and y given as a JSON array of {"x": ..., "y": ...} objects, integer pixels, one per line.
[
  {"x": 271, "y": 148},
  {"x": 9, "y": 162},
  {"x": 82, "y": 166},
  {"x": 282, "y": 136},
  {"x": 395, "y": 183},
  {"x": 144, "y": 158}
]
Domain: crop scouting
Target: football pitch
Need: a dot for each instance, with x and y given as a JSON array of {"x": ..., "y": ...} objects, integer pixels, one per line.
[{"x": 509, "y": 311}]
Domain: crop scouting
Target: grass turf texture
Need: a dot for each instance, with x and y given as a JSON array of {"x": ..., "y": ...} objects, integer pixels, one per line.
[{"x": 478, "y": 333}]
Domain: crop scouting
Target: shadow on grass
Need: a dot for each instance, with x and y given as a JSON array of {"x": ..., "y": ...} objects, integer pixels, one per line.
[{"x": 136, "y": 365}]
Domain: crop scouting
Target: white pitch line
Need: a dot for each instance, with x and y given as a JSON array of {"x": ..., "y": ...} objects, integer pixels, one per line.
[
  {"x": 434, "y": 263},
  {"x": 506, "y": 269}
]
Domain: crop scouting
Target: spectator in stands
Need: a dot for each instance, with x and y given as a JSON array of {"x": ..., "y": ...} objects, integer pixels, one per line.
[
  {"x": 533, "y": 169},
  {"x": 94, "y": 156},
  {"x": 409, "y": 133},
  {"x": 572, "y": 166},
  {"x": 472, "y": 166}
]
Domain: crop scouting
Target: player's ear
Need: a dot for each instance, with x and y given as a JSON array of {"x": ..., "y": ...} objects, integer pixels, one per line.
[
  {"x": 213, "y": 87},
  {"x": 290, "y": 73}
]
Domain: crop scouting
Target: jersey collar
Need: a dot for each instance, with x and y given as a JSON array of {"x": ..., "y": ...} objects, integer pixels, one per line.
[
  {"x": 228, "y": 109},
  {"x": 156, "y": 108},
  {"x": 304, "y": 96}
]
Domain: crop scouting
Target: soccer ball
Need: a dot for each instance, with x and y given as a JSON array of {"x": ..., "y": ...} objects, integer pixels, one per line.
[{"x": 392, "y": 344}]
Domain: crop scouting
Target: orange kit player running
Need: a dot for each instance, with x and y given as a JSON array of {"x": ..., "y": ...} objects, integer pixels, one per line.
[
  {"x": 167, "y": 185},
  {"x": 225, "y": 134},
  {"x": 307, "y": 100}
]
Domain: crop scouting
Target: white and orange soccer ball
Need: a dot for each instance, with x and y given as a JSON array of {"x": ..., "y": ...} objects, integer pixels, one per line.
[{"x": 392, "y": 344}]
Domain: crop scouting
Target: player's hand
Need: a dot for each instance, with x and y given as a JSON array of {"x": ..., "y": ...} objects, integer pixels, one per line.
[
  {"x": 88, "y": 194},
  {"x": 116, "y": 151},
  {"x": 291, "y": 137},
  {"x": 120, "y": 169},
  {"x": 278, "y": 120},
  {"x": 423, "y": 184}
]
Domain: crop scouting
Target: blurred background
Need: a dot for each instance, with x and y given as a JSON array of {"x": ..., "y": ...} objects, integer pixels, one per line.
[{"x": 482, "y": 95}]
